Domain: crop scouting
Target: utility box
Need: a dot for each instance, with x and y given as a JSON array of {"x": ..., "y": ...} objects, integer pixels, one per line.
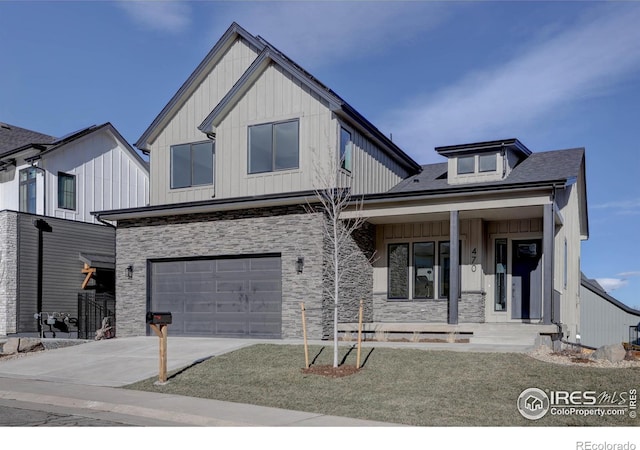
[{"x": 158, "y": 318}]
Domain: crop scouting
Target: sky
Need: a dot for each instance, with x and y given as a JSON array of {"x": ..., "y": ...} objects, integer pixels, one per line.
[{"x": 554, "y": 75}]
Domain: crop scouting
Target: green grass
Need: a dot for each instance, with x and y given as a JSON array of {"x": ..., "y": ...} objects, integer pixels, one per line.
[{"x": 407, "y": 386}]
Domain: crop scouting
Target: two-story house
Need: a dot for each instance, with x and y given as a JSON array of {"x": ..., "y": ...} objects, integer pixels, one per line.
[
  {"x": 492, "y": 236},
  {"x": 48, "y": 188}
]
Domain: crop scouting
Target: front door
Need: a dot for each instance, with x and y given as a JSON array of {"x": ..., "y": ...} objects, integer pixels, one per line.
[{"x": 526, "y": 280}]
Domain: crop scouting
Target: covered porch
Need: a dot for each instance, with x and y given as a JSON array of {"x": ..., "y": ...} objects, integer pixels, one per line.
[{"x": 455, "y": 267}]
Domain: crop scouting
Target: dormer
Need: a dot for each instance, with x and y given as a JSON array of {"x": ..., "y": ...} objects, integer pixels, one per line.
[{"x": 483, "y": 161}]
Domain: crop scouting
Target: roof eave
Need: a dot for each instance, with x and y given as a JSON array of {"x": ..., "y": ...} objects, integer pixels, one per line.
[{"x": 227, "y": 39}]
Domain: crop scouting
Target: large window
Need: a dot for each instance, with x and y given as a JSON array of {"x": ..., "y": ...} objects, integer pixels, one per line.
[
  {"x": 425, "y": 275},
  {"x": 28, "y": 190},
  {"x": 192, "y": 164},
  {"x": 66, "y": 191},
  {"x": 273, "y": 146},
  {"x": 346, "y": 151}
]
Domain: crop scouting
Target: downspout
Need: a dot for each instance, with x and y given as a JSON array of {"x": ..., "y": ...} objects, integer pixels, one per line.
[{"x": 104, "y": 222}]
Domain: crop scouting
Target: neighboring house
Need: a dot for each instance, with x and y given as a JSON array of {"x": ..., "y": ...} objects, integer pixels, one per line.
[
  {"x": 490, "y": 237},
  {"x": 55, "y": 183},
  {"x": 604, "y": 320}
]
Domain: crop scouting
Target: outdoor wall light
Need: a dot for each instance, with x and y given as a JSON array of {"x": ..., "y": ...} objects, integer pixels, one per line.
[
  {"x": 129, "y": 271},
  {"x": 300, "y": 264}
]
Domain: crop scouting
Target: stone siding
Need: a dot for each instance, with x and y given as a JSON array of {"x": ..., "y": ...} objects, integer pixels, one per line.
[
  {"x": 8, "y": 271},
  {"x": 470, "y": 309},
  {"x": 356, "y": 281},
  {"x": 289, "y": 231}
]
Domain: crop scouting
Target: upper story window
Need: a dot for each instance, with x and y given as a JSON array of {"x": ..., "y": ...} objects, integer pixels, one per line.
[
  {"x": 273, "y": 146},
  {"x": 192, "y": 164},
  {"x": 346, "y": 149},
  {"x": 28, "y": 190},
  {"x": 487, "y": 163},
  {"x": 466, "y": 164},
  {"x": 66, "y": 191},
  {"x": 477, "y": 164}
]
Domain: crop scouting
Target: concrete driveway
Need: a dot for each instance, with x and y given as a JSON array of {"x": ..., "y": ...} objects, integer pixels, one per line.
[{"x": 116, "y": 362}]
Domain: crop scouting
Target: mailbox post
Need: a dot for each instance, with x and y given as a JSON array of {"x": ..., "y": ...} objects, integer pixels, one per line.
[{"x": 158, "y": 322}]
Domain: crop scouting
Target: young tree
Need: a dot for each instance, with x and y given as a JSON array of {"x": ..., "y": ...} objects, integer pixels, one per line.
[{"x": 334, "y": 196}]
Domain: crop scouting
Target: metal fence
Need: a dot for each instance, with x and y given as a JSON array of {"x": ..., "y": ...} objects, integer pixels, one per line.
[{"x": 93, "y": 309}]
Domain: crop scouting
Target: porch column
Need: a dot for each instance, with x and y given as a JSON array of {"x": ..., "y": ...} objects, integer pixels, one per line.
[
  {"x": 454, "y": 267},
  {"x": 547, "y": 262}
]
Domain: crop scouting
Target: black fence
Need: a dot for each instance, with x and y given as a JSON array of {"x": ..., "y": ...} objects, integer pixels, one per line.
[{"x": 95, "y": 310}]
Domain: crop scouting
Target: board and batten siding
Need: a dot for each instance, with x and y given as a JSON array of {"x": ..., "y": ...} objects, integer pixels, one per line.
[
  {"x": 107, "y": 177},
  {"x": 61, "y": 276},
  {"x": 183, "y": 127},
  {"x": 602, "y": 322}
]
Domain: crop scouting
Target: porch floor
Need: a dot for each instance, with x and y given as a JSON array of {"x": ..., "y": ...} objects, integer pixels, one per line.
[{"x": 521, "y": 334}]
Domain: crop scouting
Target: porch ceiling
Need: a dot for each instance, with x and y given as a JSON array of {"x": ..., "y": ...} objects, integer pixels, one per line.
[{"x": 515, "y": 213}]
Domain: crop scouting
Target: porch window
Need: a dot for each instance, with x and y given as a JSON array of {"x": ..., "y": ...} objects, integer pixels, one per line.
[
  {"x": 501, "y": 275},
  {"x": 423, "y": 262},
  {"x": 398, "y": 264},
  {"x": 444, "y": 269}
]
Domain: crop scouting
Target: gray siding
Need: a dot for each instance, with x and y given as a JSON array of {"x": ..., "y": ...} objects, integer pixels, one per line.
[
  {"x": 61, "y": 267},
  {"x": 601, "y": 321}
]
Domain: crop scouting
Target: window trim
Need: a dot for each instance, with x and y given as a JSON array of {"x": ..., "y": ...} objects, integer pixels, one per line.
[
  {"x": 61, "y": 176},
  {"x": 273, "y": 146},
  {"x": 191, "y": 145}
]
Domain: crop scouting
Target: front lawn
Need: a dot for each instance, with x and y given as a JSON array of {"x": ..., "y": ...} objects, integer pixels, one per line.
[{"x": 405, "y": 386}]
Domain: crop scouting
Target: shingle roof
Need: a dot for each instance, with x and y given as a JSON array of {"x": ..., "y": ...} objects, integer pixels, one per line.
[
  {"x": 539, "y": 167},
  {"x": 12, "y": 137}
]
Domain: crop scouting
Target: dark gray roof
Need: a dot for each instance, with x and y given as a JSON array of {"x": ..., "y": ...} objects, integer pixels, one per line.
[
  {"x": 98, "y": 260},
  {"x": 541, "y": 167},
  {"x": 13, "y": 137}
]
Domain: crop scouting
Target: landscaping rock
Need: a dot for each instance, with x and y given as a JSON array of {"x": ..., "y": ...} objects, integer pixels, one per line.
[
  {"x": 30, "y": 345},
  {"x": 11, "y": 346},
  {"x": 613, "y": 353}
]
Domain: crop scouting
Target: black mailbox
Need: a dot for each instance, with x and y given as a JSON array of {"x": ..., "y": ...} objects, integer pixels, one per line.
[{"x": 159, "y": 318}]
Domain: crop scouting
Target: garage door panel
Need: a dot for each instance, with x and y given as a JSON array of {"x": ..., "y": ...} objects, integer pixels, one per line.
[
  {"x": 169, "y": 267},
  {"x": 231, "y": 265},
  {"x": 230, "y": 286},
  {"x": 266, "y": 264},
  {"x": 224, "y": 297},
  {"x": 199, "y": 266}
]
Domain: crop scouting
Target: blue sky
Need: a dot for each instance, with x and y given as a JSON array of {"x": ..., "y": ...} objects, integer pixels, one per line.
[{"x": 552, "y": 74}]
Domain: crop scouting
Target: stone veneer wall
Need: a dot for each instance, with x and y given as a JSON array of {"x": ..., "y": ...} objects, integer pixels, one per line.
[
  {"x": 356, "y": 282},
  {"x": 8, "y": 271},
  {"x": 470, "y": 309},
  {"x": 289, "y": 231}
]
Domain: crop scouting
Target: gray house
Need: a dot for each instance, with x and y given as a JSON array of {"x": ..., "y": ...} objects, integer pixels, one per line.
[{"x": 490, "y": 238}]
